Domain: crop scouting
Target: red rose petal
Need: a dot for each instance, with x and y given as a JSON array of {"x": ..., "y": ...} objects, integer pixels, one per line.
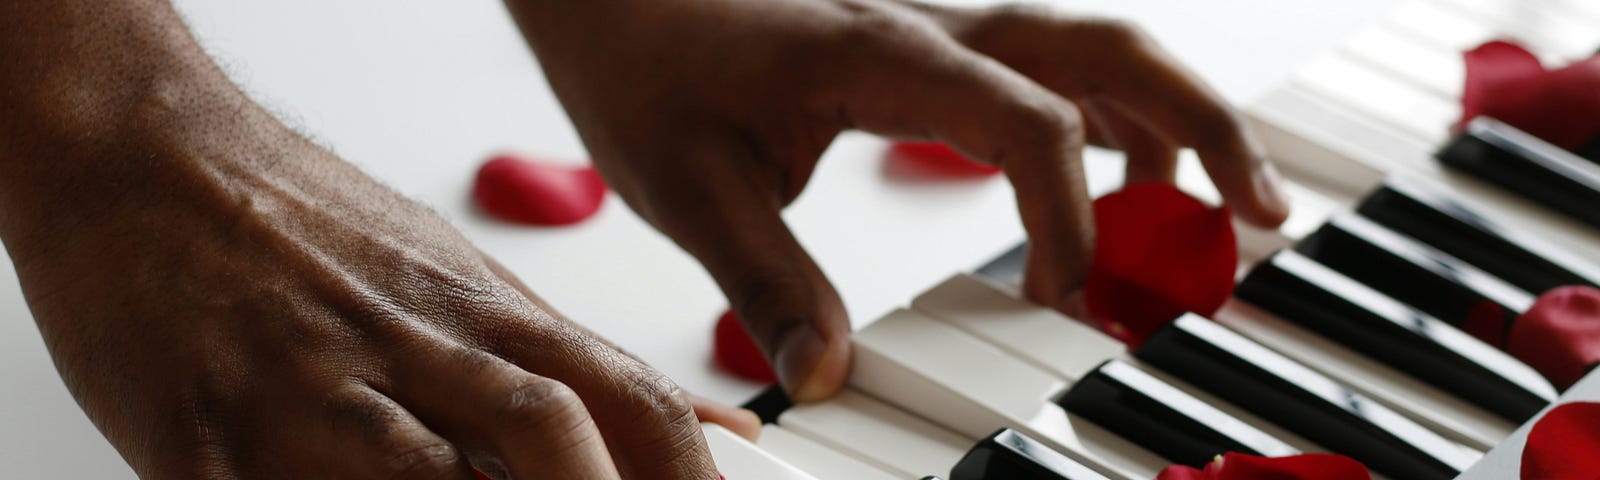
[
  {"x": 1182, "y": 472},
  {"x": 480, "y": 475},
  {"x": 1564, "y": 444},
  {"x": 734, "y": 352},
  {"x": 1238, "y": 466},
  {"x": 1313, "y": 466},
  {"x": 1560, "y": 335},
  {"x": 1488, "y": 321},
  {"x": 536, "y": 193},
  {"x": 933, "y": 161},
  {"x": 1159, "y": 253},
  {"x": 1507, "y": 82}
]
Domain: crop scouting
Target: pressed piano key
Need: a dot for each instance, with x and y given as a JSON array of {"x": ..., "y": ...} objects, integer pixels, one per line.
[
  {"x": 1278, "y": 389},
  {"x": 1303, "y": 291},
  {"x": 1437, "y": 71},
  {"x": 817, "y": 459},
  {"x": 877, "y": 434},
  {"x": 1012, "y": 455},
  {"x": 1425, "y": 404},
  {"x": 1412, "y": 272},
  {"x": 941, "y": 373},
  {"x": 1398, "y": 104},
  {"x": 1033, "y": 333},
  {"x": 1502, "y": 155},
  {"x": 1056, "y": 343},
  {"x": 1429, "y": 215},
  {"x": 1135, "y": 404},
  {"x": 738, "y": 459}
]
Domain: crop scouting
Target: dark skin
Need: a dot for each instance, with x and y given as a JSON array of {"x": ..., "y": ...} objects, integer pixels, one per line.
[{"x": 228, "y": 300}]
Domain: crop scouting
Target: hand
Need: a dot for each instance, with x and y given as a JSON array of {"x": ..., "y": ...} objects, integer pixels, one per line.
[
  {"x": 708, "y": 117},
  {"x": 227, "y": 300}
]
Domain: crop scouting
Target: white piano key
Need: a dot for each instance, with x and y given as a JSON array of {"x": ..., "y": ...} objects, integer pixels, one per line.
[
  {"x": 1402, "y": 106},
  {"x": 1439, "y": 411},
  {"x": 738, "y": 459},
  {"x": 1534, "y": 23},
  {"x": 941, "y": 373},
  {"x": 817, "y": 459},
  {"x": 1505, "y": 461},
  {"x": 1055, "y": 342},
  {"x": 1324, "y": 143},
  {"x": 1433, "y": 23},
  {"x": 878, "y": 434},
  {"x": 1041, "y": 336},
  {"x": 1319, "y": 143},
  {"x": 1437, "y": 71}
]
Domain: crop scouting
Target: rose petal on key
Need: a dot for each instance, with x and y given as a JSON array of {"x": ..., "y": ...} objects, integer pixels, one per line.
[
  {"x": 1560, "y": 335},
  {"x": 1564, "y": 444},
  {"x": 1158, "y": 253},
  {"x": 933, "y": 161},
  {"x": 1238, "y": 466},
  {"x": 532, "y": 192},
  {"x": 1508, "y": 83},
  {"x": 736, "y": 353},
  {"x": 1182, "y": 472},
  {"x": 1311, "y": 466},
  {"x": 1489, "y": 322}
]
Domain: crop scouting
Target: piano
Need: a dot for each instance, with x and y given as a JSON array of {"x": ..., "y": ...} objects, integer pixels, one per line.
[{"x": 1344, "y": 335}]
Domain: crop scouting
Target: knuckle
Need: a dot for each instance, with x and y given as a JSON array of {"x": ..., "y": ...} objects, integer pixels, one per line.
[
  {"x": 1114, "y": 32},
  {"x": 1016, "y": 13},
  {"x": 542, "y": 404},
  {"x": 423, "y": 460},
  {"x": 882, "y": 30},
  {"x": 662, "y": 401},
  {"x": 1049, "y": 120}
]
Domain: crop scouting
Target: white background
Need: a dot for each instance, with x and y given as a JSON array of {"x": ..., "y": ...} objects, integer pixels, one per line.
[{"x": 419, "y": 92}]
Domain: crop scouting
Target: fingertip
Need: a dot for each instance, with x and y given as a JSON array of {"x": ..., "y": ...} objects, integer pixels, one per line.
[
  {"x": 740, "y": 421},
  {"x": 814, "y": 368},
  {"x": 1273, "y": 205}
]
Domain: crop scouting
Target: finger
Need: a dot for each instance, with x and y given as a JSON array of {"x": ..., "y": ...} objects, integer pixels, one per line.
[
  {"x": 524, "y": 424},
  {"x": 735, "y": 419},
  {"x": 360, "y": 433},
  {"x": 649, "y": 424},
  {"x": 991, "y": 113},
  {"x": 1150, "y": 159},
  {"x": 1186, "y": 112}
]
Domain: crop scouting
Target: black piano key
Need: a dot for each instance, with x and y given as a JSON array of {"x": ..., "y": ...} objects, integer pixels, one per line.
[
  {"x": 1299, "y": 399},
  {"x": 1306, "y": 293},
  {"x": 1008, "y": 454},
  {"x": 1149, "y": 412},
  {"x": 1410, "y": 207},
  {"x": 1523, "y": 164},
  {"x": 1407, "y": 270}
]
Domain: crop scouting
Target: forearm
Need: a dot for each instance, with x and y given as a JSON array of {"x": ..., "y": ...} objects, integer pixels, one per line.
[{"x": 98, "y": 98}]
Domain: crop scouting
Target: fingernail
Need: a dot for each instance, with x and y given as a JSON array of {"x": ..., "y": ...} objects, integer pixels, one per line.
[
  {"x": 1269, "y": 189},
  {"x": 811, "y": 367}
]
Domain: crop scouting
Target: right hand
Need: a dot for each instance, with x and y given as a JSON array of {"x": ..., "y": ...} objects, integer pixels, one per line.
[{"x": 708, "y": 117}]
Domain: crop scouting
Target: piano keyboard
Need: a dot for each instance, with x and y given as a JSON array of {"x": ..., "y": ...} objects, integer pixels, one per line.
[{"x": 1345, "y": 335}]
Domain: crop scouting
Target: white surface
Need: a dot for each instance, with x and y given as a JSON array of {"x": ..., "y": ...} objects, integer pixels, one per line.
[
  {"x": 1505, "y": 461},
  {"x": 419, "y": 92}
]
